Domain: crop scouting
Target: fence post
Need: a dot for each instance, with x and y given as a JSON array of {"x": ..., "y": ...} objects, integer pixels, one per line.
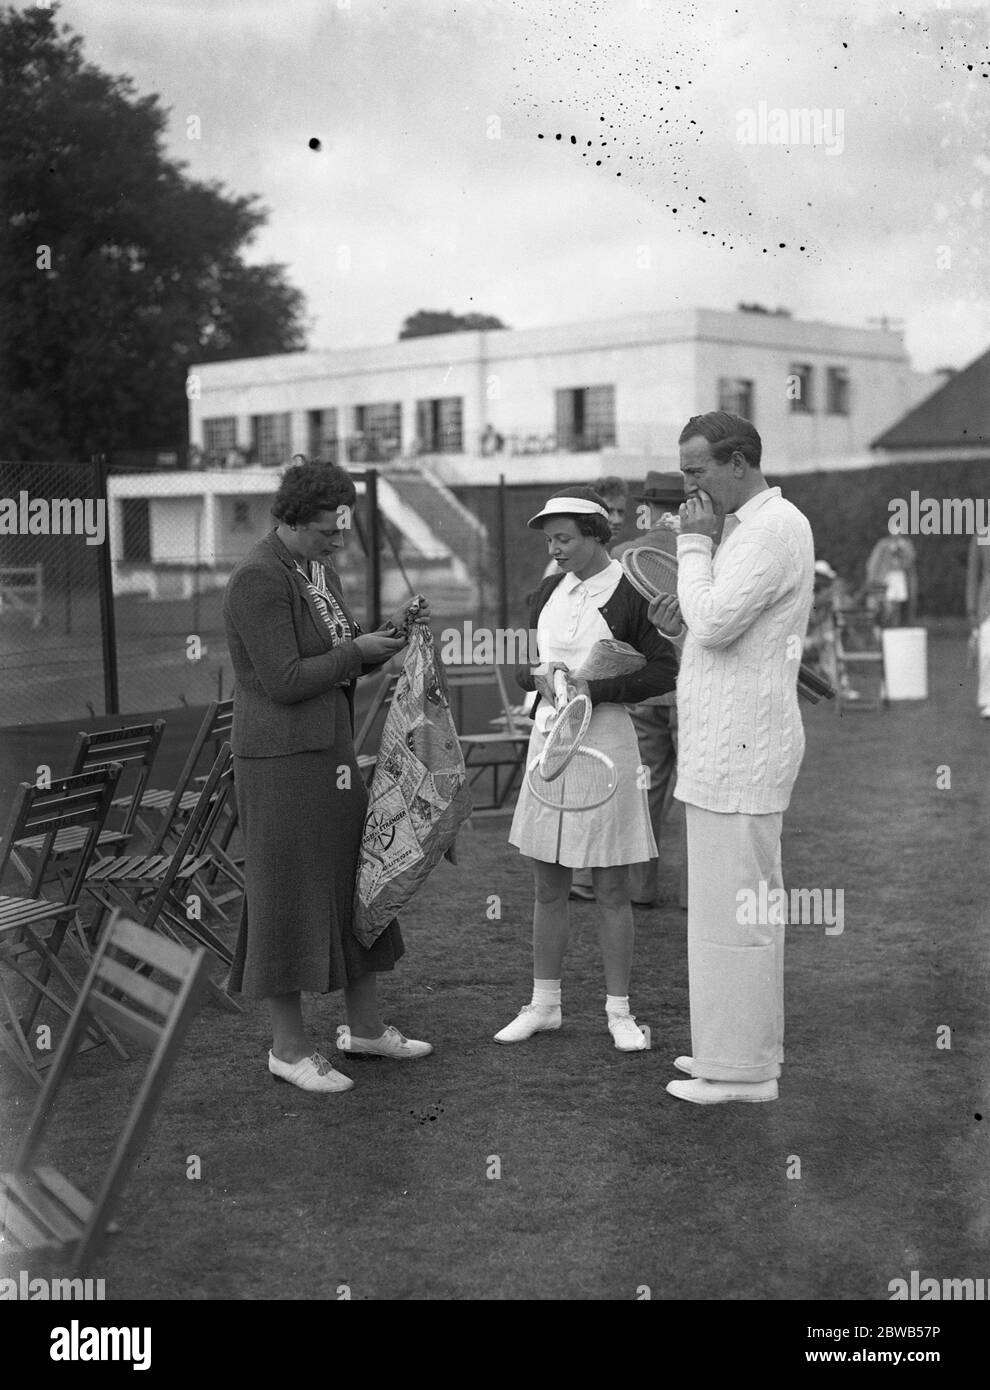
[
  {"x": 503, "y": 559},
  {"x": 374, "y": 549},
  {"x": 108, "y": 627}
]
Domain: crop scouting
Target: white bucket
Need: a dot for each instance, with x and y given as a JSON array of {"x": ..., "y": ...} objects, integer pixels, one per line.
[{"x": 905, "y": 661}]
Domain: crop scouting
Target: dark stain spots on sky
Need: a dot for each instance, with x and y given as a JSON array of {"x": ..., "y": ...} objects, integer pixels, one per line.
[{"x": 657, "y": 143}]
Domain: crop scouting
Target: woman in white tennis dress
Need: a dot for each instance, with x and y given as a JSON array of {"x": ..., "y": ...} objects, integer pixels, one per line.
[{"x": 589, "y": 600}]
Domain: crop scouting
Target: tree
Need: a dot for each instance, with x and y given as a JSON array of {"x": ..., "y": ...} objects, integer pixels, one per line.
[
  {"x": 425, "y": 322},
  {"x": 116, "y": 270}
]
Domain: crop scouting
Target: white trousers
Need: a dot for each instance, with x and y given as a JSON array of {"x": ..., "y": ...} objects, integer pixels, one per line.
[
  {"x": 983, "y": 665},
  {"x": 735, "y": 970}
]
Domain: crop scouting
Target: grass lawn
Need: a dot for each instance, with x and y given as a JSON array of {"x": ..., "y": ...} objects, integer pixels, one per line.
[{"x": 606, "y": 1183}]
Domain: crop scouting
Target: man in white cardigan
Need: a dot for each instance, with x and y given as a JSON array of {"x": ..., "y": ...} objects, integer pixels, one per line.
[{"x": 746, "y": 607}]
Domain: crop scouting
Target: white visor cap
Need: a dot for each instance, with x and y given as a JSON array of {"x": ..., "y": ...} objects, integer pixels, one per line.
[{"x": 566, "y": 506}]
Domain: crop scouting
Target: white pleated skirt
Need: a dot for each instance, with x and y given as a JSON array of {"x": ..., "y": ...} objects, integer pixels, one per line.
[{"x": 618, "y": 832}]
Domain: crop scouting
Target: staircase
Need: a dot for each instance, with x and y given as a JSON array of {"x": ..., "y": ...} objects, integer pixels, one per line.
[{"x": 436, "y": 523}]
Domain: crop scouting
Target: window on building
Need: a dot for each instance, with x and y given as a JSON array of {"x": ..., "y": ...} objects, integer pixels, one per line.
[
  {"x": 219, "y": 438},
  {"x": 321, "y": 435},
  {"x": 439, "y": 425},
  {"x": 837, "y": 391},
  {"x": 737, "y": 396},
  {"x": 270, "y": 439},
  {"x": 136, "y": 528},
  {"x": 585, "y": 418},
  {"x": 241, "y": 519},
  {"x": 799, "y": 384},
  {"x": 377, "y": 432}
]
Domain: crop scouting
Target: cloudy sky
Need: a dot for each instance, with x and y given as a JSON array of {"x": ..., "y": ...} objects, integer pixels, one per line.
[{"x": 432, "y": 186}]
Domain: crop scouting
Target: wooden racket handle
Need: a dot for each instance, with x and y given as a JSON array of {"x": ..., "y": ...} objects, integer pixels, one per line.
[
  {"x": 813, "y": 687},
  {"x": 560, "y": 687}
]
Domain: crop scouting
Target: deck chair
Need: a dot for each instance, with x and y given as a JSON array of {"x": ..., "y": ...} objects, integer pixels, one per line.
[
  {"x": 81, "y": 801},
  {"x": 173, "y": 804},
  {"x": 859, "y": 660},
  {"x": 40, "y": 1209},
  {"x": 135, "y": 748},
  {"x": 156, "y": 889},
  {"x": 502, "y": 751}
]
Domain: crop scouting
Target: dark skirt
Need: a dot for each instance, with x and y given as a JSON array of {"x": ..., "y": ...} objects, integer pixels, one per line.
[{"x": 302, "y": 838}]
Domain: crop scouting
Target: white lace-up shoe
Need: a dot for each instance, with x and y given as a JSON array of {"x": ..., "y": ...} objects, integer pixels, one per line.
[
  {"x": 311, "y": 1074},
  {"x": 390, "y": 1044},
  {"x": 531, "y": 1018},
  {"x": 702, "y": 1092},
  {"x": 628, "y": 1035}
]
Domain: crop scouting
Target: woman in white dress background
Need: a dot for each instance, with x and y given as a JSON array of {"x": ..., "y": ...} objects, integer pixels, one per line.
[{"x": 589, "y": 600}]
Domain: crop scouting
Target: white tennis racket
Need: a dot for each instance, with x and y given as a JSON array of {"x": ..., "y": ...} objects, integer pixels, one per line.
[
  {"x": 653, "y": 572},
  {"x": 650, "y": 571},
  {"x": 565, "y": 775},
  {"x": 589, "y": 780},
  {"x": 566, "y": 732}
]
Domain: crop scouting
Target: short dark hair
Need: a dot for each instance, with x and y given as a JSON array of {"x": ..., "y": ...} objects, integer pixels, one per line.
[
  {"x": 588, "y": 524},
  {"x": 307, "y": 489},
  {"x": 727, "y": 434},
  {"x": 612, "y": 486}
]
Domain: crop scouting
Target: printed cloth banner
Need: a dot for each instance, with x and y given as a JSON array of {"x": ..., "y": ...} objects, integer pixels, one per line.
[{"x": 419, "y": 795}]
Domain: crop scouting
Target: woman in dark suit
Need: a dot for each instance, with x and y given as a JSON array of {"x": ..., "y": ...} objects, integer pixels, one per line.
[{"x": 297, "y": 653}]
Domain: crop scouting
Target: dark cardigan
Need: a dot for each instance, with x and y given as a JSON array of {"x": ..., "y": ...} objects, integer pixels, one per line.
[{"x": 627, "y": 616}]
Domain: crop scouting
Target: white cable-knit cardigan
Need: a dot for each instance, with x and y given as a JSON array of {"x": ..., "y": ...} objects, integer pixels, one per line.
[{"x": 740, "y": 736}]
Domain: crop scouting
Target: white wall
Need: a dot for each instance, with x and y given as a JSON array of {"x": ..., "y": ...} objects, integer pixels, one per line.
[
  {"x": 877, "y": 397},
  {"x": 234, "y": 541},
  {"x": 665, "y": 367},
  {"x": 178, "y": 531}
]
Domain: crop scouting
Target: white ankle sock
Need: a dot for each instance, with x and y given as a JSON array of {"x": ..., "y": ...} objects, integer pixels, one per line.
[
  {"x": 546, "y": 993},
  {"x": 617, "y": 1005}
]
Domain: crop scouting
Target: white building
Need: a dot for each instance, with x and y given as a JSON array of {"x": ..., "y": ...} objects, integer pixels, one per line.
[
  {"x": 177, "y": 533},
  {"x": 616, "y": 391}
]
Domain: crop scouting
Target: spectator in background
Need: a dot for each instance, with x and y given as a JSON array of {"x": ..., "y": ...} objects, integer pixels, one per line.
[
  {"x": 891, "y": 570},
  {"x": 615, "y": 492},
  {"x": 491, "y": 441},
  {"x": 978, "y": 612},
  {"x": 819, "y": 642},
  {"x": 655, "y": 721}
]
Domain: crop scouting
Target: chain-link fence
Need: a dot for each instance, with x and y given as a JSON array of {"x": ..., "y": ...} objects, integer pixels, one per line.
[
  {"x": 111, "y": 581},
  {"x": 849, "y": 512},
  {"x": 52, "y": 534},
  {"x": 111, "y": 585}
]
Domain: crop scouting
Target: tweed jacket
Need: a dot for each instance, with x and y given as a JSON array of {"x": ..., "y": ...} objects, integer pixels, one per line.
[{"x": 286, "y": 667}]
